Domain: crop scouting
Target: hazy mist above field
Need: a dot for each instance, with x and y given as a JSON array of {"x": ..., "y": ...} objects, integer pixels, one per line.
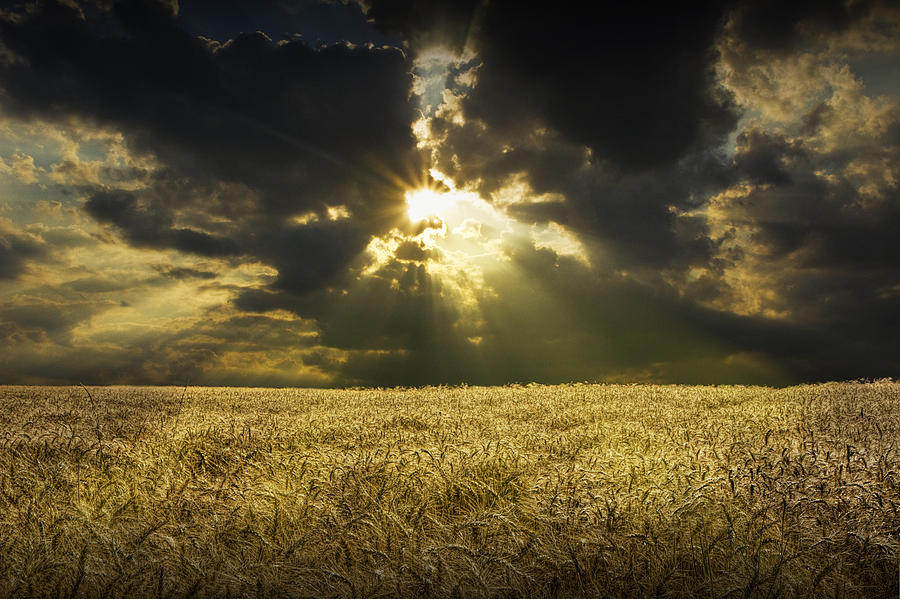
[{"x": 399, "y": 192}]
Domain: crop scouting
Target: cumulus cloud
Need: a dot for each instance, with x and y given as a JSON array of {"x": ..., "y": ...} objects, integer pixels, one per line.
[
  {"x": 297, "y": 128},
  {"x": 22, "y": 167}
]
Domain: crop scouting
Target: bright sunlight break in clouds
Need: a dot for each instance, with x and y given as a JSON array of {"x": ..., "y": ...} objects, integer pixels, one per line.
[
  {"x": 325, "y": 193},
  {"x": 425, "y": 203}
]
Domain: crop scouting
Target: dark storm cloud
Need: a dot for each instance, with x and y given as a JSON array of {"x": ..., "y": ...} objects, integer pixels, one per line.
[
  {"x": 182, "y": 273},
  {"x": 16, "y": 251},
  {"x": 308, "y": 257},
  {"x": 48, "y": 319},
  {"x": 634, "y": 85},
  {"x": 822, "y": 221},
  {"x": 760, "y": 157},
  {"x": 297, "y": 128},
  {"x": 821, "y": 227},
  {"x": 844, "y": 233},
  {"x": 143, "y": 227},
  {"x": 613, "y": 106},
  {"x": 145, "y": 15},
  {"x": 245, "y": 137},
  {"x": 780, "y": 26},
  {"x": 631, "y": 217}
]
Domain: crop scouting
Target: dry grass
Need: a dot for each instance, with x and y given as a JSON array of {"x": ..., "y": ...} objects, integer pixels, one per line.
[{"x": 580, "y": 490}]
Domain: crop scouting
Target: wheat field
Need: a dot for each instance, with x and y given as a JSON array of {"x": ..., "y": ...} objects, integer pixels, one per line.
[{"x": 518, "y": 491}]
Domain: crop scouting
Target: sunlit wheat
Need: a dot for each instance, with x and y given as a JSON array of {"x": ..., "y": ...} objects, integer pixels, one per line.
[{"x": 537, "y": 491}]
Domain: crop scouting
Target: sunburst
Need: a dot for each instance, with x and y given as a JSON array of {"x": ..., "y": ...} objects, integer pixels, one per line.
[{"x": 423, "y": 204}]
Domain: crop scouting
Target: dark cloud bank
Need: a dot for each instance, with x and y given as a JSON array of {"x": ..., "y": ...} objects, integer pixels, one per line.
[{"x": 616, "y": 109}]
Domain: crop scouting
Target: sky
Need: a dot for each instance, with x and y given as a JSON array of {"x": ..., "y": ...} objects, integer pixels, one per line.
[{"x": 394, "y": 192}]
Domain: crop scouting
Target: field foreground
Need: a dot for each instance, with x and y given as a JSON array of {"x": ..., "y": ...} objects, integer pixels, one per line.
[{"x": 537, "y": 491}]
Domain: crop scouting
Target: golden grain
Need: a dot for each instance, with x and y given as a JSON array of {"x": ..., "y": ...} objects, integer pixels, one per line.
[{"x": 534, "y": 491}]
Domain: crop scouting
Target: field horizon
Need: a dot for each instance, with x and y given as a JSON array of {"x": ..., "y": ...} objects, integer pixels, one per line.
[{"x": 524, "y": 490}]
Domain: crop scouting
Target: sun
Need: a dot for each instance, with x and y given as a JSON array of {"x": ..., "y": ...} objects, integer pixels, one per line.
[{"x": 422, "y": 204}]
